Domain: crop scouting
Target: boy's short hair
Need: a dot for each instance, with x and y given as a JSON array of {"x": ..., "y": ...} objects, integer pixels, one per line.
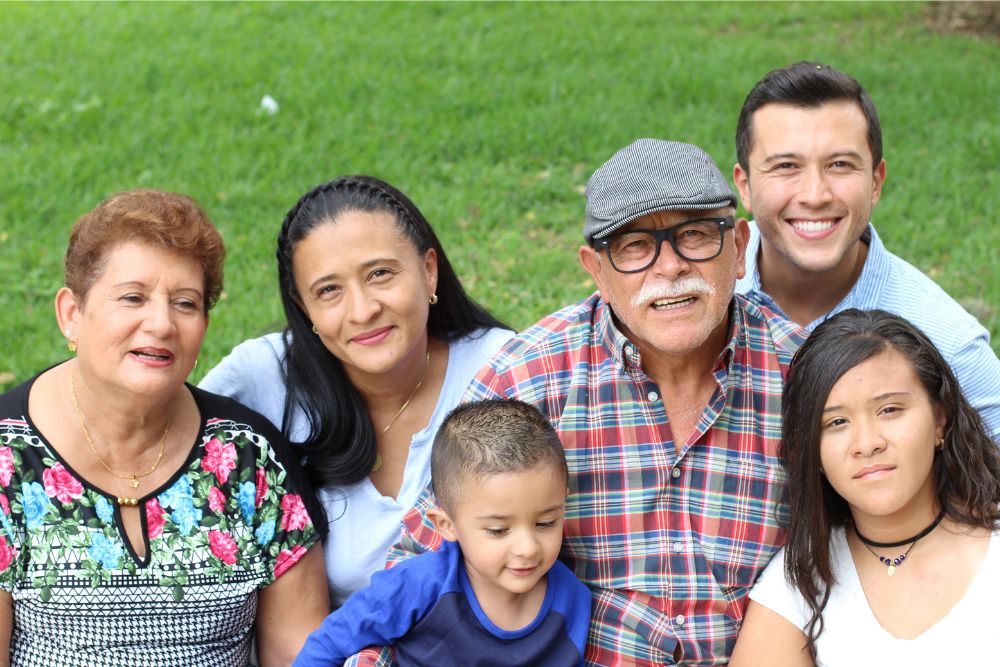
[{"x": 487, "y": 438}]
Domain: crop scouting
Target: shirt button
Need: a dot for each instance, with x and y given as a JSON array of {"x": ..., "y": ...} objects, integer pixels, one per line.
[
  {"x": 652, "y": 396},
  {"x": 679, "y": 620},
  {"x": 678, "y": 547},
  {"x": 675, "y": 473}
]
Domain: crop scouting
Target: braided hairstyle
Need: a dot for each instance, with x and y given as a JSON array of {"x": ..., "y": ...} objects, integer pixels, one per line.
[{"x": 341, "y": 442}]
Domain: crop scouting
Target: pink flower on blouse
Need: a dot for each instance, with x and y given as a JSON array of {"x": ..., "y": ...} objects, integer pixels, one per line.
[
  {"x": 287, "y": 558},
  {"x": 294, "y": 515},
  {"x": 156, "y": 518},
  {"x": 216, "y": 499},
  {"x": 4, "y": 504},
  {"x": 261, "y": 485},
  {"x": 60, "y": 484},
  {"x": 6, "y": 554},
  {"x": 6, "y": 465},
  {"x": 223, "y": 546},
  {"x": 220, "y": 459}
]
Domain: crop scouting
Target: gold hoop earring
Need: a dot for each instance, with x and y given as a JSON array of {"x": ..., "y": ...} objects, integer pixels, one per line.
[
  {"x": 433, "y": 299},
  {"x": 314, "y": 330},
  {"x": 940, "y": 444}
]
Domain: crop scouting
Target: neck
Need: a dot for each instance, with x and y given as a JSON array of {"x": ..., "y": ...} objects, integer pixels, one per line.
[
  {"x": 692, "y": 368},
  {"x": 900, "y": 525},
  {"x": 804, "y": 295},
  {"x": 392, "y": 387},
  {"x": 121, "y": 427}
]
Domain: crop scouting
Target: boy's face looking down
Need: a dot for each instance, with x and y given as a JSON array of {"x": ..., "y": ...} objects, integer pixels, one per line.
[{"x": 509, "y": 527}]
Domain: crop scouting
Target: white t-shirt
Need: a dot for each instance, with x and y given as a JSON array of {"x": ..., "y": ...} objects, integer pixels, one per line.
[
  {"x": 363, "y": 522},
  {"x": 969, "y": 635}
]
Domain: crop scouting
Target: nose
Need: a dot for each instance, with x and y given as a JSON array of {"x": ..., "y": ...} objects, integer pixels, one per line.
[
  {"x": 160, "y": 318},
  {"x": 525, "y": 544},
  {"x": 361, "y": 306},
  {"x": 868, "y": 439},
  {"x": 668, "y": 263},
  {"x": 815, "y": 190}
]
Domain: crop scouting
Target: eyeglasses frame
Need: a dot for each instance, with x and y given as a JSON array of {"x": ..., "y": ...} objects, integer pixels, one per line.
[{"x": 661, "y": 235}]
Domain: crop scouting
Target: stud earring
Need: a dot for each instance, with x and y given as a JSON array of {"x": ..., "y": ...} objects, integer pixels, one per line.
[
  {"x": 940, "y": 443},
  {"x": 433, "y": 299}
]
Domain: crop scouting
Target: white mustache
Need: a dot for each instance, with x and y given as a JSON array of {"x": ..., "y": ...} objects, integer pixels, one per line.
[{"x": 670, "y": 290}]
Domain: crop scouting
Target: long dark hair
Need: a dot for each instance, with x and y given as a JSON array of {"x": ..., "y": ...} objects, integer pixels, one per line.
[
  {"x": 966, "y": 469},
  {"x": 341, "y": 442}
]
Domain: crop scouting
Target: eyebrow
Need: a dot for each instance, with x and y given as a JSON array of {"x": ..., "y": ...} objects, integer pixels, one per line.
[
  {"x": 873, "y": 399},
  {"x": 496, "y": 517},
  {"x": 366, "y": 265},
  {"x": 775, "y": 157},
  {"x": 142, "y": 285}
]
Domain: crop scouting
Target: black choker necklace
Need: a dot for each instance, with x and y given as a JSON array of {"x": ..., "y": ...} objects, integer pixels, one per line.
[{"x": 893, "y": 563}]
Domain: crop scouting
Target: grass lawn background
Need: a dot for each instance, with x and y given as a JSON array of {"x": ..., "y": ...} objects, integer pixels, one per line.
[{"x": 490, "y": 116}]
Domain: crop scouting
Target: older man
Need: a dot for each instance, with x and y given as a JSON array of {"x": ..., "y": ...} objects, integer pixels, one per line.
[
  {"x": 810, "y": 169},
  {"x": 665, "y": 390}
]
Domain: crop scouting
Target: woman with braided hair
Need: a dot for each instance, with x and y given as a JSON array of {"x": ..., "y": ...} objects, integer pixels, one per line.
[{"x": 381, "y": 342}]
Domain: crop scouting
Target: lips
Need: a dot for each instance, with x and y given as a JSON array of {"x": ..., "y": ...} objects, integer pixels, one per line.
[
  {"x": 814, "y": 227},
  {"x": 522, "y": 571},
  {"x": 372, "y": 337},
  {"x": 874, "y": 472},
  {"x": 156, "y": 356}
]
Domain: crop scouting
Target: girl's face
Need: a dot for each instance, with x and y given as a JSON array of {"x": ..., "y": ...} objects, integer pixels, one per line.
[
  {"x": 879, "y": 430},
  {"x": 366, "y": 289}
]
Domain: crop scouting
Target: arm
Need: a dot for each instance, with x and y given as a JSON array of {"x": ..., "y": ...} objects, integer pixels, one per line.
[
  {"x": 290, "y": 608},
  {"x": 769, "y": 640},
  {"x": 6, "y": 625}
]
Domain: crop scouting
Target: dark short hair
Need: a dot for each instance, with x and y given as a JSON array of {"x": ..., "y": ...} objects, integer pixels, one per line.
[
  {"x": 966, "y": 469},
  {"x": 487, "y": 438},
  {"x": 341, "y": 444},
  {"x": 161, "y": 219},
  {"x": 806, "y": 85}
]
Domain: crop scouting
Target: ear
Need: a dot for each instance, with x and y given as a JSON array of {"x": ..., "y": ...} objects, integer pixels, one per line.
[
  {"x": 742, "y": 180},
  {"x": 67, "y": 312},
  {"x": 431, "y": 269},
  {"x": 592, "y": 263},
  {"x": 741, "y": 234},
  {"x": 878, "y": 179},
  {"x": 443, "y": 523}
]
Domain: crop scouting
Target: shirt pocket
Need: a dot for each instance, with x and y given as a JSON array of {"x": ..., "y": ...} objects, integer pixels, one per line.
[{"x": 744, "y": 521}]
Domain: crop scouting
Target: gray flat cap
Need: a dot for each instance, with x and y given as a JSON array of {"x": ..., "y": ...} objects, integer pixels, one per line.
[{"x": 651, "y": 175}]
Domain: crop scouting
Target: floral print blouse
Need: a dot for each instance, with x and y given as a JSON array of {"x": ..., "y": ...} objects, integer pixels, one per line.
[{"x": 227, "y": 524}]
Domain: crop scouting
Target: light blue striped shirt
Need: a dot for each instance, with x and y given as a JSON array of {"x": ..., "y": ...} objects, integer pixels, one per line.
[{"x": 892, "y": 284}]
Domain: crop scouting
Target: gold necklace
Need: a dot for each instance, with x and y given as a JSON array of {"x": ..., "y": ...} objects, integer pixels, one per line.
[
  {"x": 427, "y": 363},
  {"x": 133, "y": 478}
]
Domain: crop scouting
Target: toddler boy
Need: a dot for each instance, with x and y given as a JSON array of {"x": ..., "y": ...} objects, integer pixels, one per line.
[{"x": 494, "y": 594}]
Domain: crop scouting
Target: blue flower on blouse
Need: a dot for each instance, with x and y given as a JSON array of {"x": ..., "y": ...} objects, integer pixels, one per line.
[
  {"x": 104, "y": 551},
  {"x": 178, "y": 494},
  {"x": 247, "y": 499},
  {"x": 265, "y": 532},
  {"x": 186, "y": 516},
  {"x": 35, "y": 502},
  {"x": 105, "y": 511}
]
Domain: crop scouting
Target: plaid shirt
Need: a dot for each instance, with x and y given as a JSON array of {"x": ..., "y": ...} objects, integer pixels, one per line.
[{"x": 669, "y": 544}]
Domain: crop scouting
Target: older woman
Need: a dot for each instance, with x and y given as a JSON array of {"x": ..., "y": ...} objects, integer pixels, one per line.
[
  {"x": 893, "y": 554},
  {"x": 145, "y": 521},
  {"x": 381, "y": 343}
]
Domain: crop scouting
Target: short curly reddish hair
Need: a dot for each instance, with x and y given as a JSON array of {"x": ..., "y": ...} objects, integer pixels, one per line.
[{"x": 165, "y": 220}]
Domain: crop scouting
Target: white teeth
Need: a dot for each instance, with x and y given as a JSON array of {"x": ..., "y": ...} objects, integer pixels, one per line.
[
  {"x": 669, "y": 304},
  {"x": 151, "y": 355},
  {"x": 812, "y": 225}
]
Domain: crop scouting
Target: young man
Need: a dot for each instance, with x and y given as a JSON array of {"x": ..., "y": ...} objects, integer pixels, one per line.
[
  {"x": 665, "y": 390},
  {"x": 811, "y": 171},
  {"x": 494, "y": 593}
]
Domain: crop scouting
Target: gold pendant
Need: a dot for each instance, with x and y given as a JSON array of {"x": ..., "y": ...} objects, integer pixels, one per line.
[
  {"x": 134, "y": 483},
  {"x": 891, "y": 570}
]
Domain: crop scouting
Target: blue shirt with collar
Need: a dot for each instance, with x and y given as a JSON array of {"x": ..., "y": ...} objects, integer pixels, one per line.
[{"x": 889, "y": 283}]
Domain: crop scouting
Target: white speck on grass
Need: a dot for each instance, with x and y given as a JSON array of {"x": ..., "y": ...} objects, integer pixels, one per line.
[{"x": 268, "y": 105}]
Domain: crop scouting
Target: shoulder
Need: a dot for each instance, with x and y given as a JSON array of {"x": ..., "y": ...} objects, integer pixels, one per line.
[
  {"x": 14, "y": 401},
  {"x": 480, "y": 345},
  {"x": 769, "y": 331},
  {"x": 534, "y": 364},
  {"x": 246, "y": 361}
]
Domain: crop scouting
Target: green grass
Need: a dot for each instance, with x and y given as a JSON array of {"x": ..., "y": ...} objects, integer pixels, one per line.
[{"x": 490, "y": 116}]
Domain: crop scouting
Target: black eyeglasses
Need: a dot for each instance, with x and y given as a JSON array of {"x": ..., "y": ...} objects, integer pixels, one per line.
[{"x": 697, "y": 240}]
